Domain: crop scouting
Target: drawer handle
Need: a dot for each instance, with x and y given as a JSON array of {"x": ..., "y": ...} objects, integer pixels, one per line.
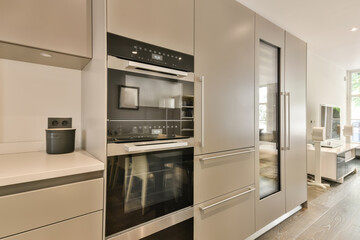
[
  {"x": 227, "y": 155},
  {"x": 251, "y": 189}
]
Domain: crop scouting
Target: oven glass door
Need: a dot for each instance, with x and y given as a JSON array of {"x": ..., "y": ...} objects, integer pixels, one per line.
[
  {"x": 143, "y": 107},
  {"x": 142, "y": 187}
]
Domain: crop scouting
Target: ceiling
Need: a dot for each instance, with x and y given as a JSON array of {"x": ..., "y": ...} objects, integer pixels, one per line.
[{"x": 324, "y": 24}]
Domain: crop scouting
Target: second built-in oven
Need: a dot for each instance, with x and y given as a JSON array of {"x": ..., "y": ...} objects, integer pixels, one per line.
[
  {"x": 145, "y": 185},
  {"x": 150, "y": 131}
]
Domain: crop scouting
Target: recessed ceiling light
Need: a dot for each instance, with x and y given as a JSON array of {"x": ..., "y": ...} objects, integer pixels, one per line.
[
  {"x": 354, "y": 29},
  {"x": 45, "y": 55}
]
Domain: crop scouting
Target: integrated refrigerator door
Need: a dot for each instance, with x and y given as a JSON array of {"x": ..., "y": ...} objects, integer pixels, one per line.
[
  {"x": 295, "y": 87},
  {"x": 270, "y": 114},
  {"x": 224, "y": 68}
]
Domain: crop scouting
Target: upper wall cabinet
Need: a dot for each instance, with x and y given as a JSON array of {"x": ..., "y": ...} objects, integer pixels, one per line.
[
  {"x": 32, "y": 30},
  {"x": 169, "y": 24}
]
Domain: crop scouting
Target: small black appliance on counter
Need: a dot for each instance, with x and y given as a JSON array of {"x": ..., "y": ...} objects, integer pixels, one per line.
[{"x": 60, "y": 137}]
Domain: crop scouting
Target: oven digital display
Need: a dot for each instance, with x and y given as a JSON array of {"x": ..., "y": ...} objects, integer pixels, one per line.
[{"x": 157, "y": 57}]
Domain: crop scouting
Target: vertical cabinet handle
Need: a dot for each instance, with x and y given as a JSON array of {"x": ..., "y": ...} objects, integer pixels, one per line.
[
  {"x": 283, "y": 145},
  {"x": 288, "y": 122},
  {"x": 202, "y": 79}
]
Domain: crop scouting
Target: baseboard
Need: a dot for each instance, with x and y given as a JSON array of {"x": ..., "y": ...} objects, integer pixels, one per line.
[{"x": 274, "y": 223}]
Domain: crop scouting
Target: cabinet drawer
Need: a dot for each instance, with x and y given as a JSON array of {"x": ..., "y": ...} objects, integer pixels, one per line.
[
  {"x": 25, "y": 211},
  {"x": 231, "y": 216},
  {"x": 88, "y": 227},
  {"x": 218, "y": 174}
]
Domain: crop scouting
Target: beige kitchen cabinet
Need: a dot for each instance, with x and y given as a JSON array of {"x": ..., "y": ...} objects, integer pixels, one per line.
[
  {"x": 231, "y": 216},
  {"x": 224, "y": 70},
  {"x": 88, "y": 227},
  {"x": 218, "y": 174},
  {"x": 29, "y": 210},
  {"x": 61, "y": 29},
  {"x": 168, "y": 24}
]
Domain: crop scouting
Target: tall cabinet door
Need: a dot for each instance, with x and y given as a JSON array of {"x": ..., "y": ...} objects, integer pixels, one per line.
[
  {"x": 269, "y": 108},
  {"x": 224, "y": 63},
  {"x": 295, "y": 154}
]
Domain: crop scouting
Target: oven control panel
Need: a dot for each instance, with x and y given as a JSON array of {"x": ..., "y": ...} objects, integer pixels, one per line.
[{"x": 131, "y": 49}]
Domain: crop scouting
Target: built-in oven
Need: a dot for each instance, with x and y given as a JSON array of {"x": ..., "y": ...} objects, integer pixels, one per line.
[
  {"x": 145, "y": 185},
  {"x": 147, "y": 101},
  {"x": 150, "y": 132}
]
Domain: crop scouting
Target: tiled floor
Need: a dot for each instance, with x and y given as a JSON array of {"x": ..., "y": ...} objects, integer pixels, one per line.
[{"x": 331, "y": 214}]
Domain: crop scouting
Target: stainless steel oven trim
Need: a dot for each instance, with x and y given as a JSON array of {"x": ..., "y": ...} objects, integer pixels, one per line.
[
  {"x": 146, "y": 69},
  {"x": 154, "y": 226},
  {"x": 118, "y": 149},
  {"x": 135, "y": 147}
]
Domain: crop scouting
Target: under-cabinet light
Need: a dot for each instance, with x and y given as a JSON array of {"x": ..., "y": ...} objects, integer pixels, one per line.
[{"x": 45, "y": 55}]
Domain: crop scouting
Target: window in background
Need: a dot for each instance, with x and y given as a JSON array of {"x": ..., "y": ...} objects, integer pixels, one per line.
[
  {"x": 262, "y": 108},
  {"x": 355, "y": 104}
]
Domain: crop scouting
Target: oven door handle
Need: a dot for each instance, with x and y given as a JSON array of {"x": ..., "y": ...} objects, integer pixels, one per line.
[
  {"x": 149, "y": 147},
  {"x": 152, "y": 68}
]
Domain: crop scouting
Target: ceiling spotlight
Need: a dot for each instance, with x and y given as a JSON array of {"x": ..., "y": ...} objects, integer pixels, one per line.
[
  {"x": 354, "y": 29},
  {"x": 45, "y": 55}
]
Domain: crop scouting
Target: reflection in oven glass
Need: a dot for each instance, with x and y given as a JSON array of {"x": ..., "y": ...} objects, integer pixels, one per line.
[{"x": 142, "y": 187}]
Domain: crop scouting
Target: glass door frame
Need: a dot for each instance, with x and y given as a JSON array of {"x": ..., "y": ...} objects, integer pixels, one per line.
[{"x": 278, "y": 117}]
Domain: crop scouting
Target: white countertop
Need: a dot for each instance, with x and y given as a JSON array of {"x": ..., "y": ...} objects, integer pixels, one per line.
[
  {"x": 34, "y": 166},
  {"x": 343, "y": 148}
]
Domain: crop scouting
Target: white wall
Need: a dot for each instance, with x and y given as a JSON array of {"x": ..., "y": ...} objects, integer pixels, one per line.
[
  {"x": 325, "y": 85},
  {"x": 29, "y": 94}
]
